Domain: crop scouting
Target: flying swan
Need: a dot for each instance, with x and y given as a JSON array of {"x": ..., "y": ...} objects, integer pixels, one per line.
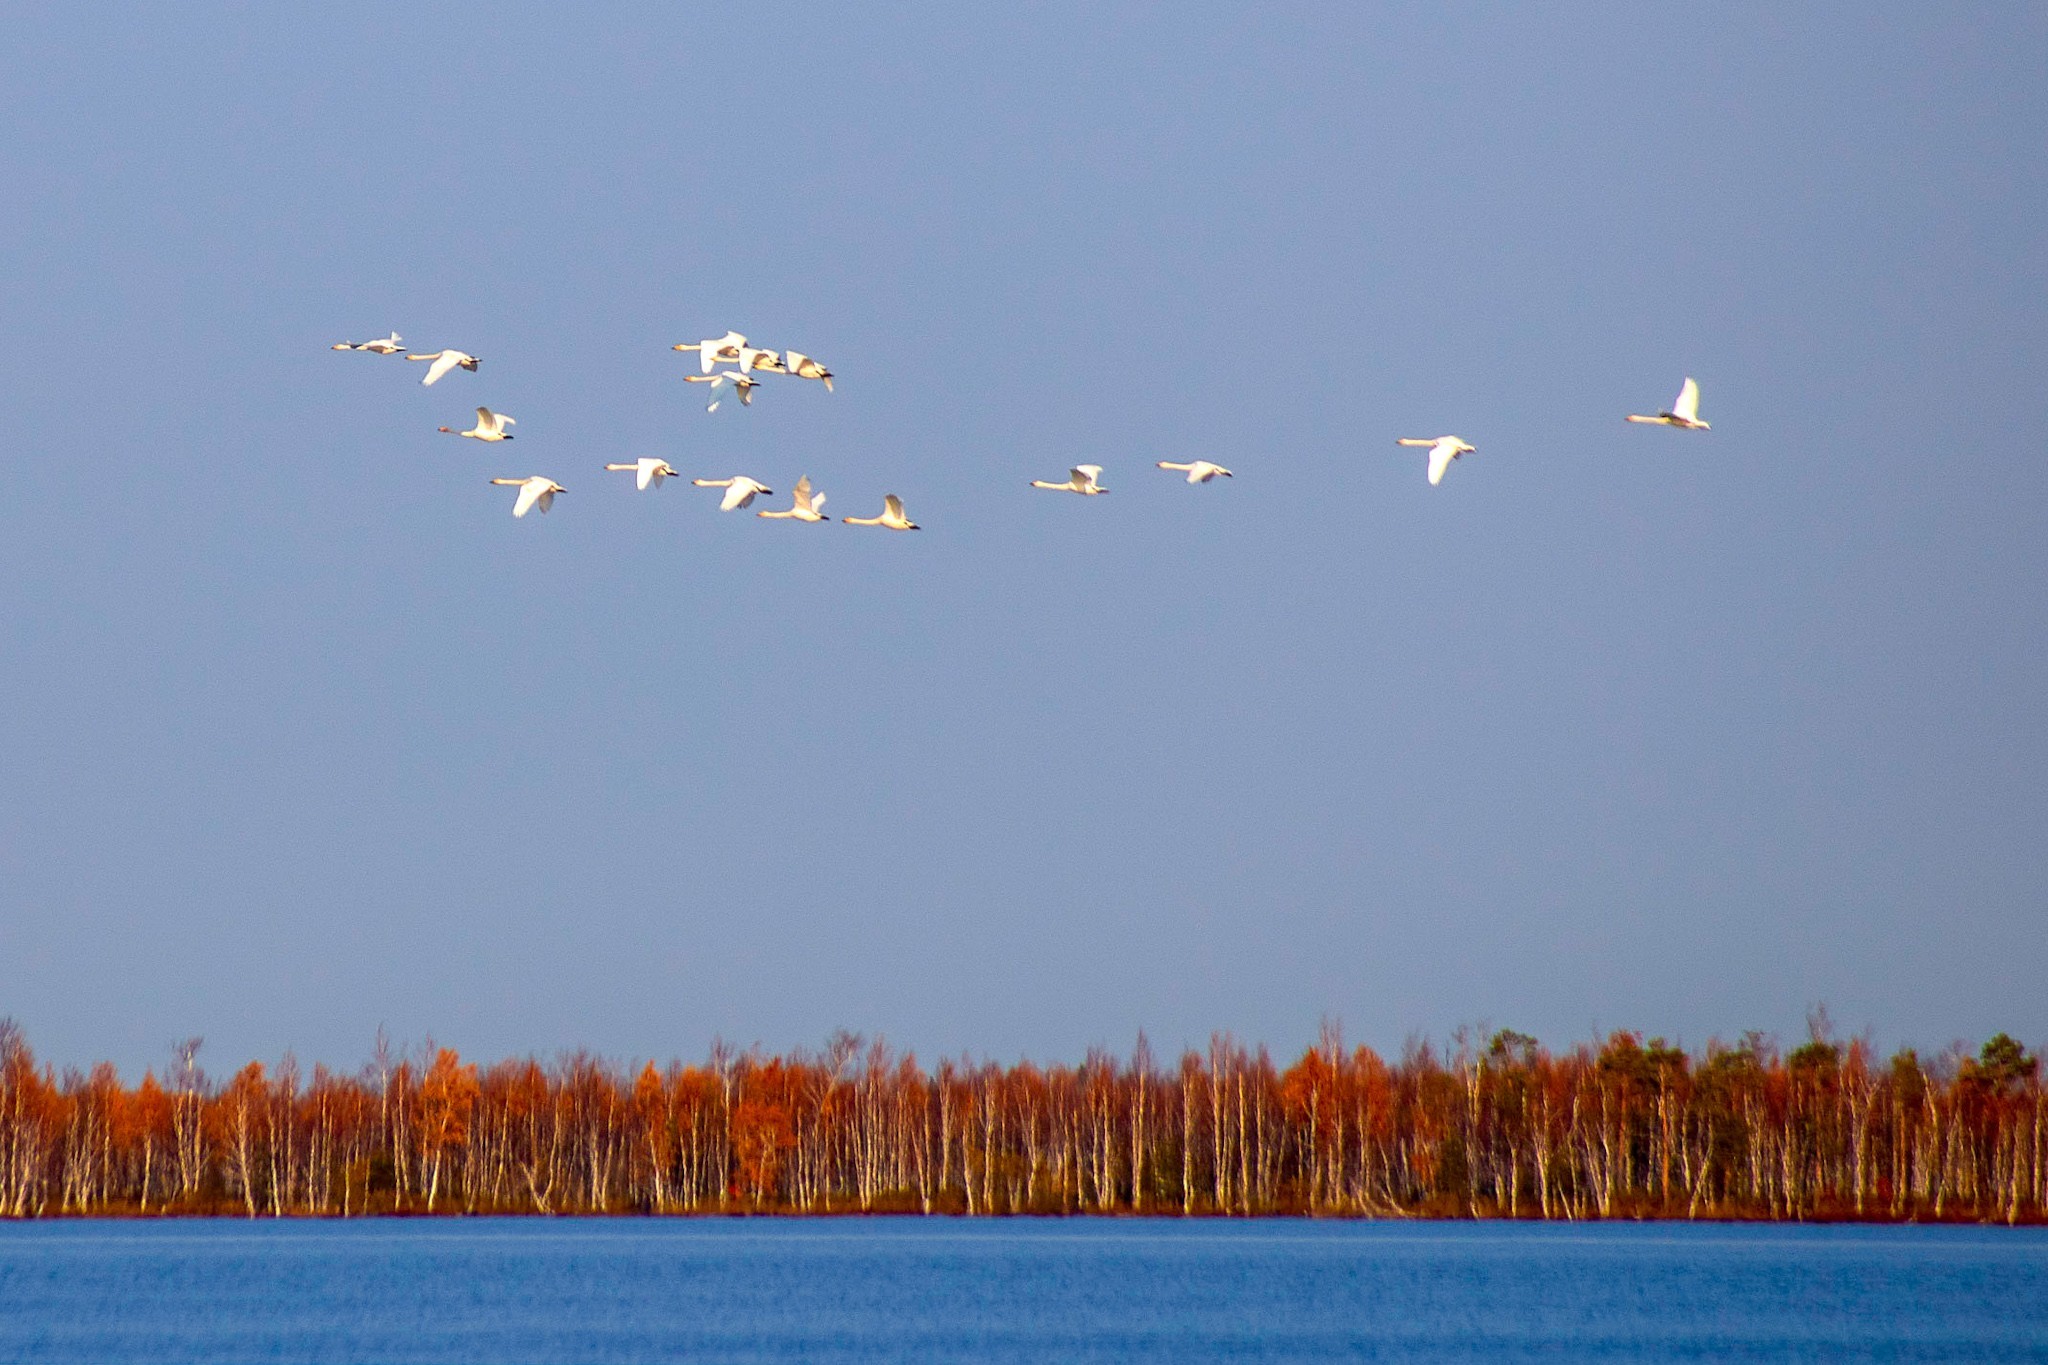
[
  {"x": 803, "y": 367},
  {"x": 387, "y": 346},
  {"x": 739, "y": 490},
  {"x": 533, "y": 492},
  {"x": 1685, "y": 410},
  {"x": 490, "y": 426},
  {"x": 445, "y": 361},
  {"x": 1083, "y": 479},
  {"x": 711, "y": 350},
  {"x": 649, "y": 471},
  {"x": 806, "y": 506},
  {"x": 741, "y": 385},
  {"x": 892, "y": 517},
  {"x": 1442, "y": 450},
  {"x": 1199, "y": 471}
]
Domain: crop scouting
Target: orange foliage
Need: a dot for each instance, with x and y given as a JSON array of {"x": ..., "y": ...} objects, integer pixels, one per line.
[{"x": 1624, "y": 1128}]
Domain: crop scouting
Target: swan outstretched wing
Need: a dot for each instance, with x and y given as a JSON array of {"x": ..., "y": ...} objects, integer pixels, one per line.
[
  {"x": 740, "y": 494},
  {"x": 710, "y": 350},
  {"x": 1440, "y": 456},
  {"x": 805, "y": 367},
  {"x": 1687, "y": 406},
  {"x": 739, "y": 383},
  {"x": 444, "y": 362},
  {"x": 895, "y": 506},
  {"x": 716, "y": 385},
  {"x": 531, "y": 492}
]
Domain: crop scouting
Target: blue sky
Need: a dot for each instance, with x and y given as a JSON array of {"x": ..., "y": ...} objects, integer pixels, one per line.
[{"x": 1619, "y": 727}]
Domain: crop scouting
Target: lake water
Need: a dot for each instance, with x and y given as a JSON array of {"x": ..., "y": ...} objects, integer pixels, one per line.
[{"x": 1013, "y": 1290}]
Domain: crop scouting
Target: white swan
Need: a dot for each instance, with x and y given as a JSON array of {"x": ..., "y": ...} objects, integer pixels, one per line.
[
  {"x": 649, "y": 470},
  {"x": 1685, "y": 411},
  {"x": 1199, "y": 471},
  {"x": 387, "y": 346},
  {"x": 807, "y": 506},
  {"x": 750, "y": 358},
  {"x": 533, "y": 492},
  {"x": 445, "y": 361},
  {"x": 741, "y": 385},
  {"x": 490, "y": 426},
  {"x": 1083, "y": 479},
  {"x": 1442, "y": 450},
  {"x": 711, "y": 350},
  {"x": 739, "y": 490},
  {"x": 803, "y": 367},
  {"x": 892, "y": 517}
]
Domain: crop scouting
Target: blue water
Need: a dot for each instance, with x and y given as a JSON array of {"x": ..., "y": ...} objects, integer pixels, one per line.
[{"x": 1074, "y": 1290}]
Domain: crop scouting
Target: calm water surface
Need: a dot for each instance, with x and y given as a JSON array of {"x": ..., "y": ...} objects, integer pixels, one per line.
[{"x": 901, "y": 1289}]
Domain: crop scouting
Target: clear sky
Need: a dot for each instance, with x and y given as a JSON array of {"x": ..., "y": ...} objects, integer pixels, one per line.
[{"x": 1618, "y": 727}]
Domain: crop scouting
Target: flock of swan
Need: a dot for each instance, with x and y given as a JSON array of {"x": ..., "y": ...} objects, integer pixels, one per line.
[{"x": 538, "y": 491}]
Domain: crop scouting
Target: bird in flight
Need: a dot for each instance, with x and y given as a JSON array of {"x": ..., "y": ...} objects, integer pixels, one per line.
[
  {"x": 536, "y": 491},
  {"x": 1198, "y": 471},
  {"x": 1685, "y": 410},
  {"x": 1442, "y": 450},
  {"x": 711, "y": 350},
  {"x": 739, "y": 490},
  {"x": 805, "y": 508},
  {"x": 386, "y": 346},
  {"x": 648, "y": 471},
  {"x": 444, "y": 361},
  {"x": 1084, "y": 478},
  {"x": 892, "y": 517},
  {"x": 490, "y": 426},
  {"x": 741, "y": 385},
  {"x": 803, "y": 367}
]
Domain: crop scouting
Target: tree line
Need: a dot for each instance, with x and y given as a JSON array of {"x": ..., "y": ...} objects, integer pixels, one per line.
[{"x": 1499, "y": 1127}]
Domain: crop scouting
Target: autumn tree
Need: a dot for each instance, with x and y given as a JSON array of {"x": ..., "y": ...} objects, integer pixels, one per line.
[{"x": 448, "y": 1094}]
